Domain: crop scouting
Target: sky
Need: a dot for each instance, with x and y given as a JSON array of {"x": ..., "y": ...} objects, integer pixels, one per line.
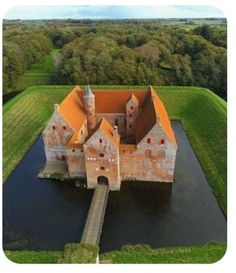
[{"x": 111, "y": 12}]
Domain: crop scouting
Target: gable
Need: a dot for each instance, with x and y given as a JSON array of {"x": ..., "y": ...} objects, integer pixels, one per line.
[
  {"x": 105, "y": 129},
  {"x": 153, "y": 111}
]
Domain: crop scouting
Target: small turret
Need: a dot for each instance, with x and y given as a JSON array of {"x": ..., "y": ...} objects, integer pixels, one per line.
[
  {"x": 88, "y": 93},
  {"x": 56, "y": 107},
  {"x": 89, "y": 106},
  {"x": 132, "y": 108}
]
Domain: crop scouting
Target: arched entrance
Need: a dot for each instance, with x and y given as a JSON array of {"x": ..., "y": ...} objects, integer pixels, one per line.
[{"x": 102, "y": 180}]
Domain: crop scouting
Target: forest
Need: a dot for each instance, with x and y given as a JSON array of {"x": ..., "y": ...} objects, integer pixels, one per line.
[{"x": 122, "y": 52}]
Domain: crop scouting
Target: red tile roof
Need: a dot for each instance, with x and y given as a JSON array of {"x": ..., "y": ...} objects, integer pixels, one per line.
[
  {"x": 153, "y": 111},
  {"x": 71, "y": 109},
  {"x": 114, "y": 101},
  {"x": 163, "y": 116}
]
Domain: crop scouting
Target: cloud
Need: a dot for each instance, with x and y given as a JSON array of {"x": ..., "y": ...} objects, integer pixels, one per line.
[{"x": 111, "y": 12}]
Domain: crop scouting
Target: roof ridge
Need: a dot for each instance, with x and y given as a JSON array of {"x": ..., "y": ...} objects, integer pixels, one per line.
[{"x": 132, "y": 96}]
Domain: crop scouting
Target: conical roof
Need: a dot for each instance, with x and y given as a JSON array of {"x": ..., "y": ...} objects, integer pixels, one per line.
[{"x": 88, "y": 92}]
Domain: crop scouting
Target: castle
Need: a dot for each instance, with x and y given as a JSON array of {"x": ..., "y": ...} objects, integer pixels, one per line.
[{"x": 108, "y": 136}]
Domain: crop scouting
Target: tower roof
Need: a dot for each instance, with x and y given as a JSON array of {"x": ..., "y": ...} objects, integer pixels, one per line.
[{"x": 88, "y": 92}]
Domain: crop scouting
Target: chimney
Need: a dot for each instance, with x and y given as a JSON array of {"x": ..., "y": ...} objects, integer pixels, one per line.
[
  {"x": 56, "y": 107},
  {"x": 77, "y": 140},
  {"x": 115, "y": 132}
]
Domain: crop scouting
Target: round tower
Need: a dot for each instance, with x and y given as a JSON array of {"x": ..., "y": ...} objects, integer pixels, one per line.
[{"x": 89, "y": 106}]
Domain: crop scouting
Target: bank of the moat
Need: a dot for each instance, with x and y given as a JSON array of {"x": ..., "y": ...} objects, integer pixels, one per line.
[{"x": 45, "y": 215}]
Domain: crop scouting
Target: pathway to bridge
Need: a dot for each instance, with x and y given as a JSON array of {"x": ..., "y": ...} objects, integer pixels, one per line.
[{"x": 93, "y": 226}]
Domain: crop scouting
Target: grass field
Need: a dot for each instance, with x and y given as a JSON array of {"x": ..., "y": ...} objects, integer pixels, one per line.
[
  {"x": 33, "y": 257},
  {"x": 203, "y": 115},
  {"x": 209, "y": 253},
  {"x": 38, "y": 74},
  {"x": 142, "y": 254}
]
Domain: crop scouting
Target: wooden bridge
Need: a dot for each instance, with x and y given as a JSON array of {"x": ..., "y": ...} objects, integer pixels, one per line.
[{"x": 93, "y": 226}]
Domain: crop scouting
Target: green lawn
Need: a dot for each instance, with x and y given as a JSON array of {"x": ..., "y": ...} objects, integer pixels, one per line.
[
  {"x": 33, "y": 257},
  {"x": 142, "y": 254},
  {"x": 209, "y": 253},
  {"x": 203, "y": 115},
  {"x": 39, "y": 73}
]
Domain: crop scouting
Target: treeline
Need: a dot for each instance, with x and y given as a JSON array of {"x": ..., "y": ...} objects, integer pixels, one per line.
[
  {"x": 146, "y": 54},
  {"x": 20, "y": 51},
  {"x": 139, "y": 53}
]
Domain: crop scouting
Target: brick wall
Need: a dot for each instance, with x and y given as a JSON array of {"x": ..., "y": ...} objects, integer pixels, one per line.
[
  {"x": 101, "y": 159},
  {"x": 55, "y": 136},
  {"x": 152, "y": 161}
]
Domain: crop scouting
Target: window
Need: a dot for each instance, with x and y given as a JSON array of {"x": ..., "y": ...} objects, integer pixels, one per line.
[
  {"x": 82, "y": 150},
  {"x": 130, "y": 115},
  {"x": 82, "y": 132},
  {"x": 130, "y": 126},
  {"x": 162, "y": 141},
  {"x": 161, "y": 154},
  {"x": 100, "y": 140},
  {"x": 131, "y": 107},
  {"x": 116, "y": 122},
  {"x": 64, "y": 127},
  {"x": 101, "y": 155},
  {"x": 73, "y": 150},
  {"x": 102, "y": 168},
  {"x": 63, "y": 157},
  {"x": 148, "y": 153},
  {"x": 149, "y": 140},
  {"x": 54, "y": 127}
]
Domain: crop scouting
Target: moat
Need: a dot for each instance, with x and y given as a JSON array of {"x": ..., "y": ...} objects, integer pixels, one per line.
[{"x": 45, "y": 215}]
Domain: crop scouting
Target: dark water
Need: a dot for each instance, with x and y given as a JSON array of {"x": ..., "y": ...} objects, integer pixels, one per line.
[
  {"x": 41, "y": 214},
  {"x": 45, "y": 215},
  {"x": 154, "y": 214}
]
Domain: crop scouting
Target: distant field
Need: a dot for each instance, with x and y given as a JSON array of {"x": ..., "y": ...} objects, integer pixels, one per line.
[
  {"x": 39, "y": 74},
  {"x": 203, "y": 115}
]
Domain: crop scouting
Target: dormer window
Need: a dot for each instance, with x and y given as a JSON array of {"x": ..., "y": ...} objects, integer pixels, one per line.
[
  {"x": 100, "y": 140},
  {"x": 149, "y": 140}
]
